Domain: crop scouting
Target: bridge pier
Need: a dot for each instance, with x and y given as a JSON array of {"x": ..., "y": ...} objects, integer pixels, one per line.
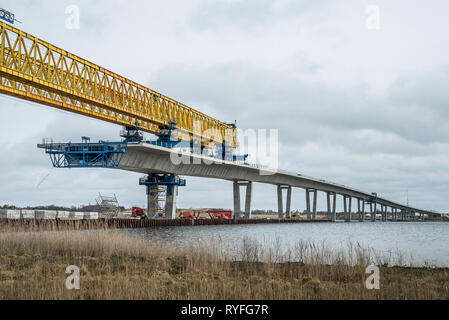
[
  {"x": 373, "y": 211},
  {"x": 347, "y": 204},
  {"x": 384, "y": 213},
  {"x": 162, "y": 191},
  {"x": 361, "y": 209},
  {"x": 248, "y": 198},
  {"x": 331, "y": 210},
  {"x": 170, "y": 202},
  {"x": 287, "y": 212},
  {"x": 315, "y": 198}
]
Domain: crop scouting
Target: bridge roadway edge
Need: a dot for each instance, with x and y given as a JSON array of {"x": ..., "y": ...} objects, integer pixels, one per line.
[{"x": 148, "y": 159}]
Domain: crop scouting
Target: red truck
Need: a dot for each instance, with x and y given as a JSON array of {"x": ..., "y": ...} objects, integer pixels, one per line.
[{"x": 139, "y": 213}]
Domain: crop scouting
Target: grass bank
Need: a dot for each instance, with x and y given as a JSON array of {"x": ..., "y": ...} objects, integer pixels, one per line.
[{"x": 117, "y": 265}]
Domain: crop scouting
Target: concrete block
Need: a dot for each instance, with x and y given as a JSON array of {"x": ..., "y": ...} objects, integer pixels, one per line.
[
  {"x": 45, "y": 215},
  {"x": 76, "y": 215},
  {"x": 90, "y": 215},
  {"x": 63, "y": 215},
  {"x": 9, "y": 214},
  {"x": 27, "y": 214},
  {"x": 50, "y": 215}
]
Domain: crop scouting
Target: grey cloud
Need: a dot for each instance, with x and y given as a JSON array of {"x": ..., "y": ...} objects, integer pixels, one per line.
[
  {"x": 274, "y": 99},
  {"x": 249, "y": 15}
]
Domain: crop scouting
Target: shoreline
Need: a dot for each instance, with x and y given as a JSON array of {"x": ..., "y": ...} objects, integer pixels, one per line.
[{"x": 115, "y": 265}]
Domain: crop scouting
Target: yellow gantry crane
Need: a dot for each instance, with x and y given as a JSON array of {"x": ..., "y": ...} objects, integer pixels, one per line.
[{"x": 37, "y": 71}]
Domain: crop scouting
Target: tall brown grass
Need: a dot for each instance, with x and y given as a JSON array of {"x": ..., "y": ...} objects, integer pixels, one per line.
[{"x": 119, "y": 265}]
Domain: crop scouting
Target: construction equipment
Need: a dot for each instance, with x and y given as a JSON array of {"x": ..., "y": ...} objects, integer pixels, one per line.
[
  {"x": 37, "y": 71},
  {"x": 34, "y": 70},
  {"x": 7, "y": 16},
  {"x": 137, "y": 212},
  {"x": 199, "y": 214},
  {"x": 108, "y": 206},
  {"x": 219, "y": 214},
  {"x": 187, "y": 215}
]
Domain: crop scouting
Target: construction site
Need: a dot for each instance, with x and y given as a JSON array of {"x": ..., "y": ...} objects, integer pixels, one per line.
[{"x": 227, "y": 150}]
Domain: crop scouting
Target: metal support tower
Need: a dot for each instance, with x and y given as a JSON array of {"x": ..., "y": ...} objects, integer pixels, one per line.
[{"x": 162, "y": 190}]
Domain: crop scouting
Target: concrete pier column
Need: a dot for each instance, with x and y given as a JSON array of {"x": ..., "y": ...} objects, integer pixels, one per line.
[
  {"x": 287, "y": 212},
  {"x": 331, "y": 206},
  {"x": 308, "y": 212},
  {"x": 288, "y": 208},
  {"x": 334, "y": 208},
  {"x": 152, "y": 201},
  {"x": 170, "y": 202},
  {"x": 237, "y": 209},
  {"x": 384, "y": 214},
  {"x": 347, "y": 206},
  {"x": 373, "y": 209},
  {"x": 280, "y": 203},
  {"x": 248, "y": 198},
  {"x": 315, "y": 199},
  {"x": 361, "y": 209}
]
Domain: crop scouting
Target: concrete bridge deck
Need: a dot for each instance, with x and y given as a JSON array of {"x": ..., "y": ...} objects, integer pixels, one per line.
[{"x": 148, "y": 159}]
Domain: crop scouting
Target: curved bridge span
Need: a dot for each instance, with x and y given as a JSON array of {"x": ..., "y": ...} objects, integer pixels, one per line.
[{"x": 152, "y": 159}]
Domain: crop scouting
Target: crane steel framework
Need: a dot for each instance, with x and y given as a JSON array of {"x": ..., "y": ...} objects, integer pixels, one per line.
[{"x": 37, "y": 71}]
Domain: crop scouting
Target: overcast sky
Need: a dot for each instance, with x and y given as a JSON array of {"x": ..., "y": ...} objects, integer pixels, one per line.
[{"x": 363, "y": 107}]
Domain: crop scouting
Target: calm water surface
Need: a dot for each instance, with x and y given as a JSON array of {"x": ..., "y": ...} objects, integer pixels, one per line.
[{"x": 419, "y": 242}]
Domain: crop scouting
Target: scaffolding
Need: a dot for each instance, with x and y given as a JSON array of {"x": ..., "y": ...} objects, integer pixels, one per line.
[
  {"x": 157, "y": 199},
  {"x": 108, "y": 206}
]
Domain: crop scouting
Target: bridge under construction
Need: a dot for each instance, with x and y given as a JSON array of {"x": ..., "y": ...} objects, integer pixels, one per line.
[{"x": 34, "y": 70}]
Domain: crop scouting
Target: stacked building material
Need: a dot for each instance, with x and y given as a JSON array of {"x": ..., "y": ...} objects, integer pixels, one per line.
[
  {"x": 76, "y": 215},
  {"x": 27, "y": 214},
  {"x": 45, "y": 215},
  {"x": 90, "y": 215},
  {"x": 9, "y": 214},
  {"x": 63, "y": 215}
]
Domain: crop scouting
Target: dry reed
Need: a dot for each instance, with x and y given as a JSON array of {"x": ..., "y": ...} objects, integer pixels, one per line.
[{"x": 118, "y": 265}]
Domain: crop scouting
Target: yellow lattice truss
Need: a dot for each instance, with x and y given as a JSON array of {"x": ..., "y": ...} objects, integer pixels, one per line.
[{"x": 37, "y": 71}]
